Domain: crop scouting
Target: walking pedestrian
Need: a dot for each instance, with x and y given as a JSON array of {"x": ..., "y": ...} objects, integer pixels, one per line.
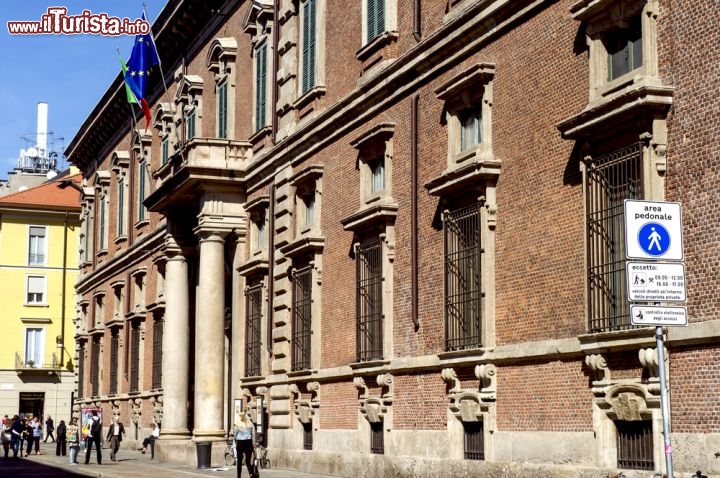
[
  {"x": 73, "y": 439},
  {"x": 114, "y": 436},
  {"x": 5, "y": 434},
  {"x": 16, "y": 431},
  {"x": 35, "y": 435},
  {"x": 245, "y": 439},
  {"x": 61, "y": 444},
  {"x": 49, "y": 429},
  {"x": 94, "y": 437}
]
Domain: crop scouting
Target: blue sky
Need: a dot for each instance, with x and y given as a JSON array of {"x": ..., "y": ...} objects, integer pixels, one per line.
[{"x": 69, "y": 72}]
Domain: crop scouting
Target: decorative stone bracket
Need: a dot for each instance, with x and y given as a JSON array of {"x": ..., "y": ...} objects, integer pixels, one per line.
[
  {"x": 599, "y": 367},
  {"x": 375, "y": 408},
  {"x": 466, "y": 404},
  {"x": 305, "y": 409},
  {"x": 157, "y": 404},
  {"x": 135, "y": 409}
]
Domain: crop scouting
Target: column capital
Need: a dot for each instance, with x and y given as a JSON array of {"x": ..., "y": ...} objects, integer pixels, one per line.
[
  {"x": 177, "y": 247},
  {"x": 206, "y": 234}
]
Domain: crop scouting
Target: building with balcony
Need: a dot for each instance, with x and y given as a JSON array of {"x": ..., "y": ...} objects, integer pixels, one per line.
[
  {"x": 39, "y": 230},
  {"x": 393, "y": 231}
]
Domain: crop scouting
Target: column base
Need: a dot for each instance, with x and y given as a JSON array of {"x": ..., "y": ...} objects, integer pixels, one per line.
[
  {"x": 174, "y": 434},
  {"x": 208, "y": 435}
]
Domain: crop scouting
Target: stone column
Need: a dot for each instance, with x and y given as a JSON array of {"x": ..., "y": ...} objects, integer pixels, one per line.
[
  {"x": 176, "y": 346},
  {"x": 210, "y": 337}
]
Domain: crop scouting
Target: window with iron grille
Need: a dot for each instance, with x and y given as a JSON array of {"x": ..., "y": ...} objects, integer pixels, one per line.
[
  {"x": 369, "y": 313},
  {"x": 611, "y": 179},
  {"x": 253, "y": 321},
  {"x": 377, "y": 438},
  {"x": 95, "y": 373},
  {"x": 307, "y": 436},
  {"x": 635, "y": 445},
  {"x": 157, "y": 352},
  {"x": 474, "y": 446},
  {"x": 114, "y": 349},
  {"x": 302, "y": 318},
  {"x": 463, "y": 295},
  {"x": 81, "y": 370},
  {"x": 134, "y": 357}
]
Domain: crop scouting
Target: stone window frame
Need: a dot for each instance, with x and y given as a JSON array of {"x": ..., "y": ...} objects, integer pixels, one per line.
[
  {"x": 602, "y": 16},
  {"x": 165, "y": 125},
  {"x": 189, "y": 100},
  {"x": 119, "y": 164},
  {"x": 388, "y": 34},
  {"x": 471, "y": 405},
  {"x": 258, "y": 23},
  {"x": 87, "y": 241},
  {"x": 635, "y": 398},
  {"x": 377, "y": 142},
  {"x": 306, "y": 96},
  {"x": 221, "y": 62},
  {"x": 119, "y": 302},
  {"x": 308, "y": 183},
  {"x": 375, "y": 409},
  {"x": 98, "y": 310},
  {"x": 142, "y": 156},
  {"x": 257, "y": 211},
  {"x": 471, "y": 89},
  {"x": 139, "y": 289},
  {"x": 102, "y": 212}
]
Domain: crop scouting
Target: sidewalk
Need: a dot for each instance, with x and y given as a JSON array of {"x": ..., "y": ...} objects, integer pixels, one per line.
[{"x": 130, "y": 464}]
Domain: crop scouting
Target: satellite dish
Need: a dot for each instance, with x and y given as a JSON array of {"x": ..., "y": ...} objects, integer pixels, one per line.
[
  {"x": 51, "y": 174},
  {"x": 22, "y": 188},
  {"x": 32, "y": 152}
]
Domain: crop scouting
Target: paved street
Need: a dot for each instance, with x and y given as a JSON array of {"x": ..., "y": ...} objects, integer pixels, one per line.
[{"x": 130, "y": 464}]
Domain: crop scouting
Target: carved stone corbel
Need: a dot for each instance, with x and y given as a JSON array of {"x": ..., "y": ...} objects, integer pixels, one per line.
[
  {"x": 450, "y": 376},
  {"x": 385, "y": 380},
  {"x": 488, "y": 386},
  {"x": 649, "y": 360},
  {"x": 305, "y": 409},
  {"x": 375, "y": 408},
  {"x": 359, "y": 383},
  {"x": 135, "y": 410},
  {"x": 157, "y": 403}
]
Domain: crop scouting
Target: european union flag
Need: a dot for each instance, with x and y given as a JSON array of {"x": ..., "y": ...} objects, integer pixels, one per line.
[{"x": 142, "y": 58}]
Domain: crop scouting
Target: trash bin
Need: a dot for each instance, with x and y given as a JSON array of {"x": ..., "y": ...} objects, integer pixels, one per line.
[{"x": 204, "y": 451}]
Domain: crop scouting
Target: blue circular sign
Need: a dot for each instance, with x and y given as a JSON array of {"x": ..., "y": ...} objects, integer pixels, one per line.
[{"x": 654, "y": 239}]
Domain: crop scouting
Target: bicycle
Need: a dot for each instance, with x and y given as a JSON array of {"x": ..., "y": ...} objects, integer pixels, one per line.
[
  {"x": 230, "y": 453},
  {"x": 261, "y": 455}
]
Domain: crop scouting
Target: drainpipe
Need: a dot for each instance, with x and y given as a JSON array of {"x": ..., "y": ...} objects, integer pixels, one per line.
[
  {"x": 276, "y": 40},
  {"x": 64, "y": 274},
  {"x": 271, "y": 264},
  {"x": 414, "y": 210},
  {"x": 417, "y": 21}
]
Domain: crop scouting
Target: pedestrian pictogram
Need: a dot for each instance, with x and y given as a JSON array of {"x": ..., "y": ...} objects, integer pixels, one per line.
[{"x": 654, "y": 239}]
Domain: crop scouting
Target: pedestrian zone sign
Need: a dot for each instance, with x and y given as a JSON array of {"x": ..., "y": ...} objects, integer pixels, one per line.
[{"x": 653, "y": 230}]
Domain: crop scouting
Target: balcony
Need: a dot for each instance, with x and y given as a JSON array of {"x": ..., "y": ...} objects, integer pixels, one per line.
[{"x": 46, "y": 364}]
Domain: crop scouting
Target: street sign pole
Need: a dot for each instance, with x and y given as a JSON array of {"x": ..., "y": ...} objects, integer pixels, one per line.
[{"x": 664, "y": 405}]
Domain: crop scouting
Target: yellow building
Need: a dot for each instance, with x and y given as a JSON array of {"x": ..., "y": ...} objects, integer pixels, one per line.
[{"x": 38, "y": 270}]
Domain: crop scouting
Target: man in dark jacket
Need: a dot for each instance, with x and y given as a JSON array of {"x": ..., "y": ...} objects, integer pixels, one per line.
[
  {"x": 94, "y": 436},
  {"x": 49, "y": 429},
  {"x": 114, "y": 436}
]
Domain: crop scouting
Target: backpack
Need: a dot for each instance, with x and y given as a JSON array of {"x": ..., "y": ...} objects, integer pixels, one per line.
[{"x": 96, "y": 428}]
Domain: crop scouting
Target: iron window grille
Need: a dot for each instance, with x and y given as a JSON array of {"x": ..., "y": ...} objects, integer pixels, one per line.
[
  {"x": 114, "y": 351},
  {"x": 307, "y": 436},
  {"x": 635, "y": 445},
  {"x": 135, "y": 357},
  {"x": 253, "y": 304},
  {"x": 302, "y": 318},
  {"x": 157, "y": 352},
  {"x": 95, "y": 373},
  {"x": 377, "y": 438},
  {"x": 368, "y": 263},
  {"x": 474, "y": 442},
  {"x": 464, "y": 298},
  {"x": 611, "y": 179}
]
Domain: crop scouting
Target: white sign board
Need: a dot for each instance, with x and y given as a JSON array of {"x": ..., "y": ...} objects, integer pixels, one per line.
[
  {"x": 653, "y": 230},
  {"x": 656, "y": 281},
  {"x": 658, "y": 316}
]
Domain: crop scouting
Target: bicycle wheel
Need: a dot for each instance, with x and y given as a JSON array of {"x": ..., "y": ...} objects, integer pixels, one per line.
[{"x": 229, "y": 457}]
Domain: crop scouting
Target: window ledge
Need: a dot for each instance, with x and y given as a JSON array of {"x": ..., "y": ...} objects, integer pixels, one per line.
[
  {"x": 377, "y": 213},
  {"x": 485, "y": 166},
  {"x": 376, "y": 44},
  {"x": 120, "y": 239},
  {"x": 370, "y": 365},
  {"x": 142, "y": 223},
  {"x": 36, "y": 304},
  {"x": 257, "y": 265},
  {"x": 101, "y": 253},
  {"x": 303, "y": 245},
  {"x": 260, "y": 134},
  {"x": 641, "y": 100},
  {"x": 301, "y": 373},
  {"x": 629, "y": 339},
  {"x": 309, "y": 96}
]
